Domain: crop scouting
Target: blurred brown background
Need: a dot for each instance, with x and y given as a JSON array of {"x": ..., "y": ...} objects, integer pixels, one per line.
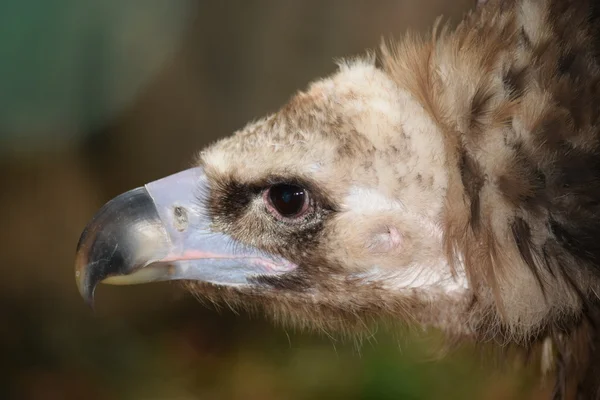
[{"x": 97, "y": 97}]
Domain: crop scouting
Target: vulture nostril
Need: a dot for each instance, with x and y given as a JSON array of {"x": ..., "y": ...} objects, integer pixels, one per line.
[
  {"x": 285, "y": 200},
  {"x": 181, "y": 218}
]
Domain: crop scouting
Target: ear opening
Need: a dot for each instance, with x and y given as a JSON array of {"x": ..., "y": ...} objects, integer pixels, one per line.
[{"x": 385, "y": 239}]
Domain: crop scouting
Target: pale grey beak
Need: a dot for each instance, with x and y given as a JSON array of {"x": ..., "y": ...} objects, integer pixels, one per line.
[{"x": 162, "y": 232}]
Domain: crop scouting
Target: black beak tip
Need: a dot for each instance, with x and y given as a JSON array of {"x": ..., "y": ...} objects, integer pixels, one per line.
[
  {"x": 86, "y": 286},
  {"x": 105, "y": 247},
  {"x": 88, "y": 297}
]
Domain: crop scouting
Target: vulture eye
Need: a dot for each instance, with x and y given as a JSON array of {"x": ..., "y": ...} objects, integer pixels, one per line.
[{"x": 288, "y": 201}]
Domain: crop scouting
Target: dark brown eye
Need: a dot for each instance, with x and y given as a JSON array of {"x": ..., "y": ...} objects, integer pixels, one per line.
[{"x": 288, "y": 201}]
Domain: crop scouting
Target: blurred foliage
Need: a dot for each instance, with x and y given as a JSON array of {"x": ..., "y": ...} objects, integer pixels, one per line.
[
  {"x": 71, "y": 65},
  {"x": 98, "y": 97}
]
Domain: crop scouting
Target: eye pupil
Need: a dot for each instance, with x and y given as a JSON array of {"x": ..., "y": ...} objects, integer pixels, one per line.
[{"x": 288, "y": 200}]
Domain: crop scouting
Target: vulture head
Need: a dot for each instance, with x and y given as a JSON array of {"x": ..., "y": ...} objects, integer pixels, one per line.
[{"x": 453, "y": 184}]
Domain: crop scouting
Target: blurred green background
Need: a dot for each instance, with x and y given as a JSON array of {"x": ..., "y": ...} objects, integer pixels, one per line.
[{"x": 97, "y": 97}]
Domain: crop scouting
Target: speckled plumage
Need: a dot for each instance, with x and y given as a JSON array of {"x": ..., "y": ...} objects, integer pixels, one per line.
[{"x": 456, "y": 186}]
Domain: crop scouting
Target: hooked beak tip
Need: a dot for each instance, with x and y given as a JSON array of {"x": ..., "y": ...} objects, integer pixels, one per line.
[
  {"x": 86, "y": 291},
  {"x": 108, "y": 245},
  {"x": 85, "y": 287}
]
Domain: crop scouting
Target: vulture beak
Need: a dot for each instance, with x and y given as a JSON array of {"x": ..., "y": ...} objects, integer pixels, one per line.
[{"x": 161, "y": 232}]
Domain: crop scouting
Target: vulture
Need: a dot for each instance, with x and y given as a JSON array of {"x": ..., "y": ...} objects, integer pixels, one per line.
[{"x": 448, "y": 180}]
